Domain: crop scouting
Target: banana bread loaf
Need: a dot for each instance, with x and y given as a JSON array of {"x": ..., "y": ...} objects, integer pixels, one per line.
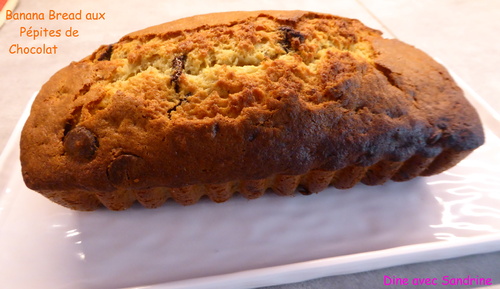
[{"x": 243, "y": 102}]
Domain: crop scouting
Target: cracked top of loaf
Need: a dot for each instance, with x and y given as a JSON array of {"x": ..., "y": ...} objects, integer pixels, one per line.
[{"x": 240, "y": 96}]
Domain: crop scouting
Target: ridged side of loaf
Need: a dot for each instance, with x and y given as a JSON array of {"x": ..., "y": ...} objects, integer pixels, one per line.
[{"x": 312, "y": 182}]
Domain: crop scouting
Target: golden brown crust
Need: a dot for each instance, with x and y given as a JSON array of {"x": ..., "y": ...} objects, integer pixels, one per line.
[
  {"x": 261, "y": 99},
  {"x": 216, "y": 19}
]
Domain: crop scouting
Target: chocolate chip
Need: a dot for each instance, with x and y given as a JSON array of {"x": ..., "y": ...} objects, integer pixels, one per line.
[
  {"x": 106, "y": 55},
  {"x": 215, "y": 130},
  {"x": 127, "y": 170},
  {"x": 177, "y": 67},
  {"x": 290, "y": 38},
  {"x": 304, "y": 191},
  {"x": 80, "y": 143}
]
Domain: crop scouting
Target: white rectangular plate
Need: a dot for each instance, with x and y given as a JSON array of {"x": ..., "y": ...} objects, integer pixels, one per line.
[{"x": 244, "y": 244}]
